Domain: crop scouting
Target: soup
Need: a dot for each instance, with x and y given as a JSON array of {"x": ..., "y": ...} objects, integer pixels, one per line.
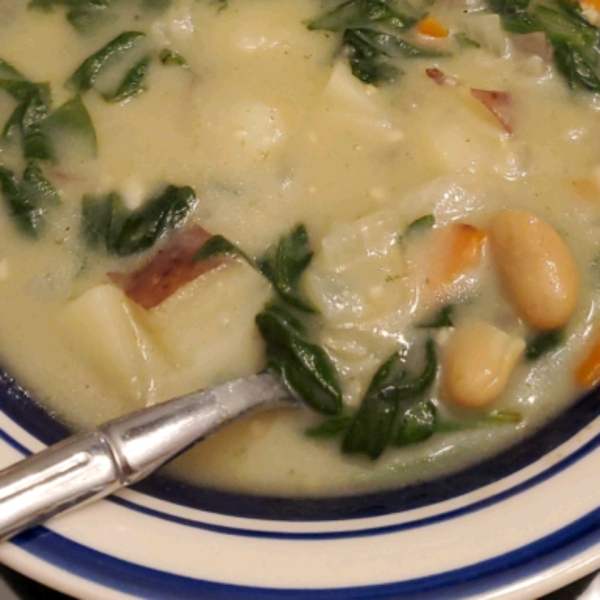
[{"x": 394, "y": 207}]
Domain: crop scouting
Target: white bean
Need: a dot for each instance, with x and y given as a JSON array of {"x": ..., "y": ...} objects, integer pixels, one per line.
[
  {"x": 538, "y": 271},
  {"x": 478, "y": 361}
]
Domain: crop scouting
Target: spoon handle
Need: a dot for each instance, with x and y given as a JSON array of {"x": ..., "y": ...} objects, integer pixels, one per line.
[{"x": 89, "y": 466}]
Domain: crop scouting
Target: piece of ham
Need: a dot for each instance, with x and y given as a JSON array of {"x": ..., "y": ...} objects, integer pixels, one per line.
[
  {"x": 499, "y": 104},
  {"x": 170, "y": 268},
  {"x": 439, "y": 77},
  {"x": 534, "y": 44}
]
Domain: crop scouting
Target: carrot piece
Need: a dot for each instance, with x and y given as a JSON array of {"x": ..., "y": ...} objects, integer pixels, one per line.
[
  {"x": 431, "y": 27},
  {"x": 463, "y": 248},
  {"x": 590, "y": 3},
  {"x": 587, "y": 373}
]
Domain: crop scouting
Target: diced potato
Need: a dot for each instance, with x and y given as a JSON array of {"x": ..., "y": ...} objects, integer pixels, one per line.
[
  {"x": 487, "y": 30},
  {"x": 448, "y": 198},
  {"x": 358, "y": 273},
  {"x": 103, "y": 327},
  {"x": 357, "y": 105},
  {"x": 346, "y": 91},
  {"x": 208, "y": 329},
  {"x": 462, "y": 139},
  {"x": 257, "y": 127},
  {"x": 464, "y": 135}
]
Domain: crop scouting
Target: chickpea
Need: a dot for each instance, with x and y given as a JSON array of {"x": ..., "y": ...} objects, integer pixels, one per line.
[
  {"x": 537, "y": 269},
  {"x": 478, "y": 361}
]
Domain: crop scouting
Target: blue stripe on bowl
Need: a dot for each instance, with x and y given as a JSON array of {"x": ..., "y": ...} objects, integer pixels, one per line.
[
  {"x": 464, "y": 510},
  {"x": 153, "y": 584},
  {"x": 24, "y": 411},
  {"x": 367, "y": 532}
]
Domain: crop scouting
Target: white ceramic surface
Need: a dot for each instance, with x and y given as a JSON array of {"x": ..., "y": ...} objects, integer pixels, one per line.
[{"x": 521, "y": 536}]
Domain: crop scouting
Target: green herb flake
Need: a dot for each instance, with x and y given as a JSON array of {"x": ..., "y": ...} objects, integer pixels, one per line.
[
  {"x": 463, "y": 40},
  {"x": 443, "y": 318},
  {"x": 170, "y": 58},
  {"x": 420, "y": 225}
]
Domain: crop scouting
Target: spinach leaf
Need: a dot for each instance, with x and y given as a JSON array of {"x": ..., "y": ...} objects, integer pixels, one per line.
[
  {"x": 578, "y": 71},
  {"x": 496, "y": 418},
  {"x": 416, "y": 424},
  {"x": 86, "y": 75},
  {"x": 515, "y": 17},
  {"x": 7, "y": 71},
  {"x": 36, "y": 107},
  {"x": 107, "y": 224},
  {"x": 132, "y": 84},
  {"x": 283, "y": 265},
  {"x": 169, "y": 58},
  {"x": 373, "y": 37},
  {"x": 37, "y": 187},
  {"x": 87, "y": 15},
  {"x": 217, "y": 245},
  {"x": 101, "y": 219},
  {"x": 371, "y": 54},
  {"x": 84, "y": 15},
  {"x": 355, "y": 14},
  {"x": 371, "y": 429},
  {"x": 73, "y": 119},
  {"x": 303, "y": 367},
  {"x": 544, "y": 342},
  {"x": 330, "y": 428},
  {"x": 421, "y": 224},
  {"x": 575, "y": 41},
  {"x": 27, "y": 201},
  {"x": 33, "y": 107},
  {"x": 443, "y": 318},
  {"x": 465, "y": 41},
  {"x": 367, "y": 61}
]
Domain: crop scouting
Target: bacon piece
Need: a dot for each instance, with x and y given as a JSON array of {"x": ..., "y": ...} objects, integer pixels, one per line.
[
  {"x": 439, "y": 77},
  {"x": 499, "y": 104},
  {"x": 170, "y": 269}
]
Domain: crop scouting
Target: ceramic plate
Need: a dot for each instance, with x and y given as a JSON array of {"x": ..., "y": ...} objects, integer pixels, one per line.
[{"x": 517, "y": 526}]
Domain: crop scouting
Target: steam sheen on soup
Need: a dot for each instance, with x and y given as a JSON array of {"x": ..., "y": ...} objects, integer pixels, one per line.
[{"x": 393, "y": 207}]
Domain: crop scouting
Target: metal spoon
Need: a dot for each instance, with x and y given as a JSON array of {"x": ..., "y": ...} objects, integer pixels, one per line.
[{"x": 89, "y": 466}]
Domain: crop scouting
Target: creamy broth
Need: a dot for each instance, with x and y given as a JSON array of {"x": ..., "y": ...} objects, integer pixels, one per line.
[{"x": 263, "y": 117}]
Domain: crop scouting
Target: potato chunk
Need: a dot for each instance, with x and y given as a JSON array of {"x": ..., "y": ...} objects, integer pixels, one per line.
[
  {"x": 207, "y": 329},
  {"x": 102, "y": 325}
]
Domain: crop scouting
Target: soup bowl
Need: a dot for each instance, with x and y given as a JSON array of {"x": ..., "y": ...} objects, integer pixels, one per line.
[{"x": 518, "y": 525}]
